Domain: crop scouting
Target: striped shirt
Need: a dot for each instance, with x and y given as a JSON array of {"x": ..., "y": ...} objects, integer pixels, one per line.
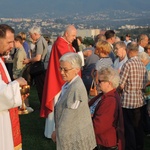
[
  {"x": 103, "y": 62},
  {"x": 133, "y": 76}
]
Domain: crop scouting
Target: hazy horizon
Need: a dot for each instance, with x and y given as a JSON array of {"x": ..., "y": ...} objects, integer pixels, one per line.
[{"x": 18, "y": 8}]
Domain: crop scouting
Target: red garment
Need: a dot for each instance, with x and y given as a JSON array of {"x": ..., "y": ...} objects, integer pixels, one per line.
[
  {"x": 3, "y": 59},
  {"x": 13, "y": 112},
  {"x": 53, "y": 79},
  {"x": 107, "y": 119}
]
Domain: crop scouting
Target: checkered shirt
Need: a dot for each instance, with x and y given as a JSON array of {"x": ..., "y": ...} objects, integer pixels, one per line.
[{"x": 133, "y": 76}]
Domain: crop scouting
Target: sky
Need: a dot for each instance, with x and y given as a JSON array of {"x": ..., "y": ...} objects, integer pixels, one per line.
[{"x": 16, "y": 8}]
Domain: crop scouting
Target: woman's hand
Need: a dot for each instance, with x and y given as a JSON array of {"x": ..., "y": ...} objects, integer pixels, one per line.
[{"x": 53, "y": 136}]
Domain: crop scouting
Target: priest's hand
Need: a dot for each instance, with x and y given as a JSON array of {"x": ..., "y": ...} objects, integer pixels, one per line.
[
  {"x": 24, "y": 97},
  {"x": 21, "y": 81},
  {"x": 53, "y": 136}
]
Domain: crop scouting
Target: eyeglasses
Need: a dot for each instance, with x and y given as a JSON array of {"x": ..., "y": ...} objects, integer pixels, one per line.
[
  {"x": 100, "y": 81},
  {"x": 65, "y": 70}
]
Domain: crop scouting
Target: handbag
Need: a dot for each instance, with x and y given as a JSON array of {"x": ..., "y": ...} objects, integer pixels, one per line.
[
  {"x": 93, "y": 90},
  {"x": 37, "y": 68}
]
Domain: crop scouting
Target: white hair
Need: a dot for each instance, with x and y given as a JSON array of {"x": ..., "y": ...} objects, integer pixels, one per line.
[
  {"x": 143, "y": 56},
  {"x": 73, "y": 58},
  {"x": 35, "y": 29},
  {"x": 111, "y": 75}
]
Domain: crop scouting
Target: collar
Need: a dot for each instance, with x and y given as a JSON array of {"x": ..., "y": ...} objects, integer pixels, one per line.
[
  {"x": 38, "y": 39},
  {"x": 111, "y": 45},
  {"x": 110, "y": 93},
  {"x": 65, "y": 39},
  {"x": 134, "y": 57},
  {"x": 68, "y": 83},
  {"x": 104, "y": 57}
]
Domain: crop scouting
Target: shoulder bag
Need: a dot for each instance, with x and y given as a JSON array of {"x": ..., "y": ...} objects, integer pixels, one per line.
[
  {"x": 37, "y": 68},
  {"x": 93, "y": 90}
]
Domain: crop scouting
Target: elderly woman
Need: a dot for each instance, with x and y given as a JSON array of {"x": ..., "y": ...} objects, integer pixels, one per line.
[
  {"x": 147, "y": 49},
  {"x": 144, "y": 57},
  {"x": 102, "y": 50},
  {"x": 107, "y": 117},
  {"x": 73, "y": 123}
]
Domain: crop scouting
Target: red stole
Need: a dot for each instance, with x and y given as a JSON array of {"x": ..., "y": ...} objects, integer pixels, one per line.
[
  {"x": 13, "y": 112},
  {"x": 53, "y": 79}
]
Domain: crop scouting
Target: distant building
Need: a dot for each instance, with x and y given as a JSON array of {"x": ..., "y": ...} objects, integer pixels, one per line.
[{"x": 88, "y": 32}]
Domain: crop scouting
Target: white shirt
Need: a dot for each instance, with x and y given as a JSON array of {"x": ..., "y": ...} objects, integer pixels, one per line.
[
  {"x": 118, "y": 64},
  {"x": 141, "y": 49},
  {"x": 127, "y": 42}
]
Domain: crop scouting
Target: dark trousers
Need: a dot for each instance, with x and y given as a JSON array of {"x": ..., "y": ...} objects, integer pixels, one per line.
[
  {"x": 146, "y": 121},
  {"x": 87, "y": 80},
  {"x": 134, "y": 135},
  {"x": 39, "y": 82},
  {"x": 99, "y": 147}
]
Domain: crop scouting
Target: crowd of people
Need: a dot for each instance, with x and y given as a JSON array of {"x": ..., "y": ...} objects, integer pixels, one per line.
[{"x": 117, "y": 118}]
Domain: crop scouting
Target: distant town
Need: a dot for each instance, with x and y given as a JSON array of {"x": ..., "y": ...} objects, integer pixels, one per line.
[{"x": 119, "y": 20}]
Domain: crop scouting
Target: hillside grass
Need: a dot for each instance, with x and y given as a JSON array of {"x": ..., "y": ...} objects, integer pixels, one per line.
[{"x": 32, "y": 128}]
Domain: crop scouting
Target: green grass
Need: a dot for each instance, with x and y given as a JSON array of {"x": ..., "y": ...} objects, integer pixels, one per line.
[
  {"x": 32, "y": 128},
  {"x": 147, "y": 143}
]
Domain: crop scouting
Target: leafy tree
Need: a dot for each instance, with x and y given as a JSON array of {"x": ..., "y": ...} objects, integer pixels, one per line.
[{"x": 88, "y": 41}]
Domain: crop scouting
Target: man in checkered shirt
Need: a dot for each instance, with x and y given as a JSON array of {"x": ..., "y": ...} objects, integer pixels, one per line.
[{"x": 133, "y": 79}]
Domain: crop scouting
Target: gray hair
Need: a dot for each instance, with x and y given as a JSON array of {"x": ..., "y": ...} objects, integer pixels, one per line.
[
  {"x": 121, "y": 44},
  {"x": 69, "y": 28},
  {"x": 141, "y": 37},
  {"x": 100, "y": 37},
  {"x": 73, "y": 58},
  {"x": 143, "y": 56},
  {"x": 35, "y": 29},
  {"x": 111, "y": 75},
  {"x": 133, "y": 46}
]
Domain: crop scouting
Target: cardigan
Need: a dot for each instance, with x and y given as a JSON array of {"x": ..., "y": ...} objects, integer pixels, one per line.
[{"x": 74, "y": 129}]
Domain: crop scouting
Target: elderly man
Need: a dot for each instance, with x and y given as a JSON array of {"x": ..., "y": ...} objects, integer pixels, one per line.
[
  {"x": 120, "y": 50},
  {"x": 142, "y": 41},
  {"x": 38, "y": 55},
  {"x": 10, "y": 98},
  {"x": 133, "y": 79}
]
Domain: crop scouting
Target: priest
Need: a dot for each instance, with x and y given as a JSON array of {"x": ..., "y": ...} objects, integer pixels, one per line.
[{"x": 10, "y": 98}]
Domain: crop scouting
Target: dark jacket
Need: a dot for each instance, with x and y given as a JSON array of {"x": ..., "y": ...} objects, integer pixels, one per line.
[{"x": 108, "y": 120}]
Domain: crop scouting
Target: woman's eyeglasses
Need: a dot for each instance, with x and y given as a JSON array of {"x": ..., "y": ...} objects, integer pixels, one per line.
[
  {"x": 65, "y": 70},
  {"x": 100, "y": 81}
]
